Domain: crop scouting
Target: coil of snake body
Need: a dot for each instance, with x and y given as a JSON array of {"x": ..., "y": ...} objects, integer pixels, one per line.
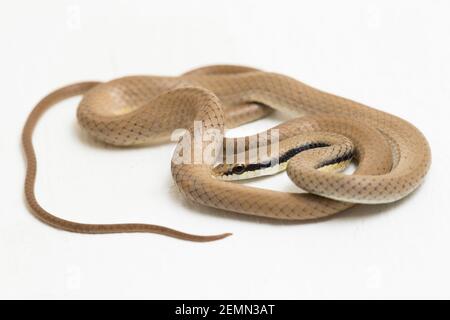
[{"x": 327, "y": 132}]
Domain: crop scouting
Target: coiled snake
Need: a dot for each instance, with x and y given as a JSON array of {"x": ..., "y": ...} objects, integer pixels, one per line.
[{"x": 392, "y": 155}]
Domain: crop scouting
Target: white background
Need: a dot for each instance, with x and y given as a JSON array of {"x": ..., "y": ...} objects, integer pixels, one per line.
[{"x": 391, "y": 55}]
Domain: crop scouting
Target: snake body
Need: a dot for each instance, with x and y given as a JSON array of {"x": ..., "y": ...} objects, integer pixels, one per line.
[{"x": 326, "y": 133}]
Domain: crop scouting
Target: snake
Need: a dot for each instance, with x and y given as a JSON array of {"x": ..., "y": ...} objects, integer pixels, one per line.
[{"x": 324, "y": 133}]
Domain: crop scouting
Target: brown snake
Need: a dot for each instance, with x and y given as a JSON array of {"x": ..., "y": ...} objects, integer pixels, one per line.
[{"x": 392, "y": 155}]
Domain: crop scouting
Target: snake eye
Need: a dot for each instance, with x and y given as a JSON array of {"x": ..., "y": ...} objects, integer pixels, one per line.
[{"x": 238, "y": 169}]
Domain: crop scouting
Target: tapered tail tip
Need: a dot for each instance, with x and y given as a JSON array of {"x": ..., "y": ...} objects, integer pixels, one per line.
[{"x": 218, "y": 237}]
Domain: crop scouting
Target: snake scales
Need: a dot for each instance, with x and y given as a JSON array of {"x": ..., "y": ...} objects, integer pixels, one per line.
[{"x": 392, "y": 155}]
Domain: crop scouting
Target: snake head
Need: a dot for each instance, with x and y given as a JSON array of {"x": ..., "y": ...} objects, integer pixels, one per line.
[{"x": 226, "y": 171}]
